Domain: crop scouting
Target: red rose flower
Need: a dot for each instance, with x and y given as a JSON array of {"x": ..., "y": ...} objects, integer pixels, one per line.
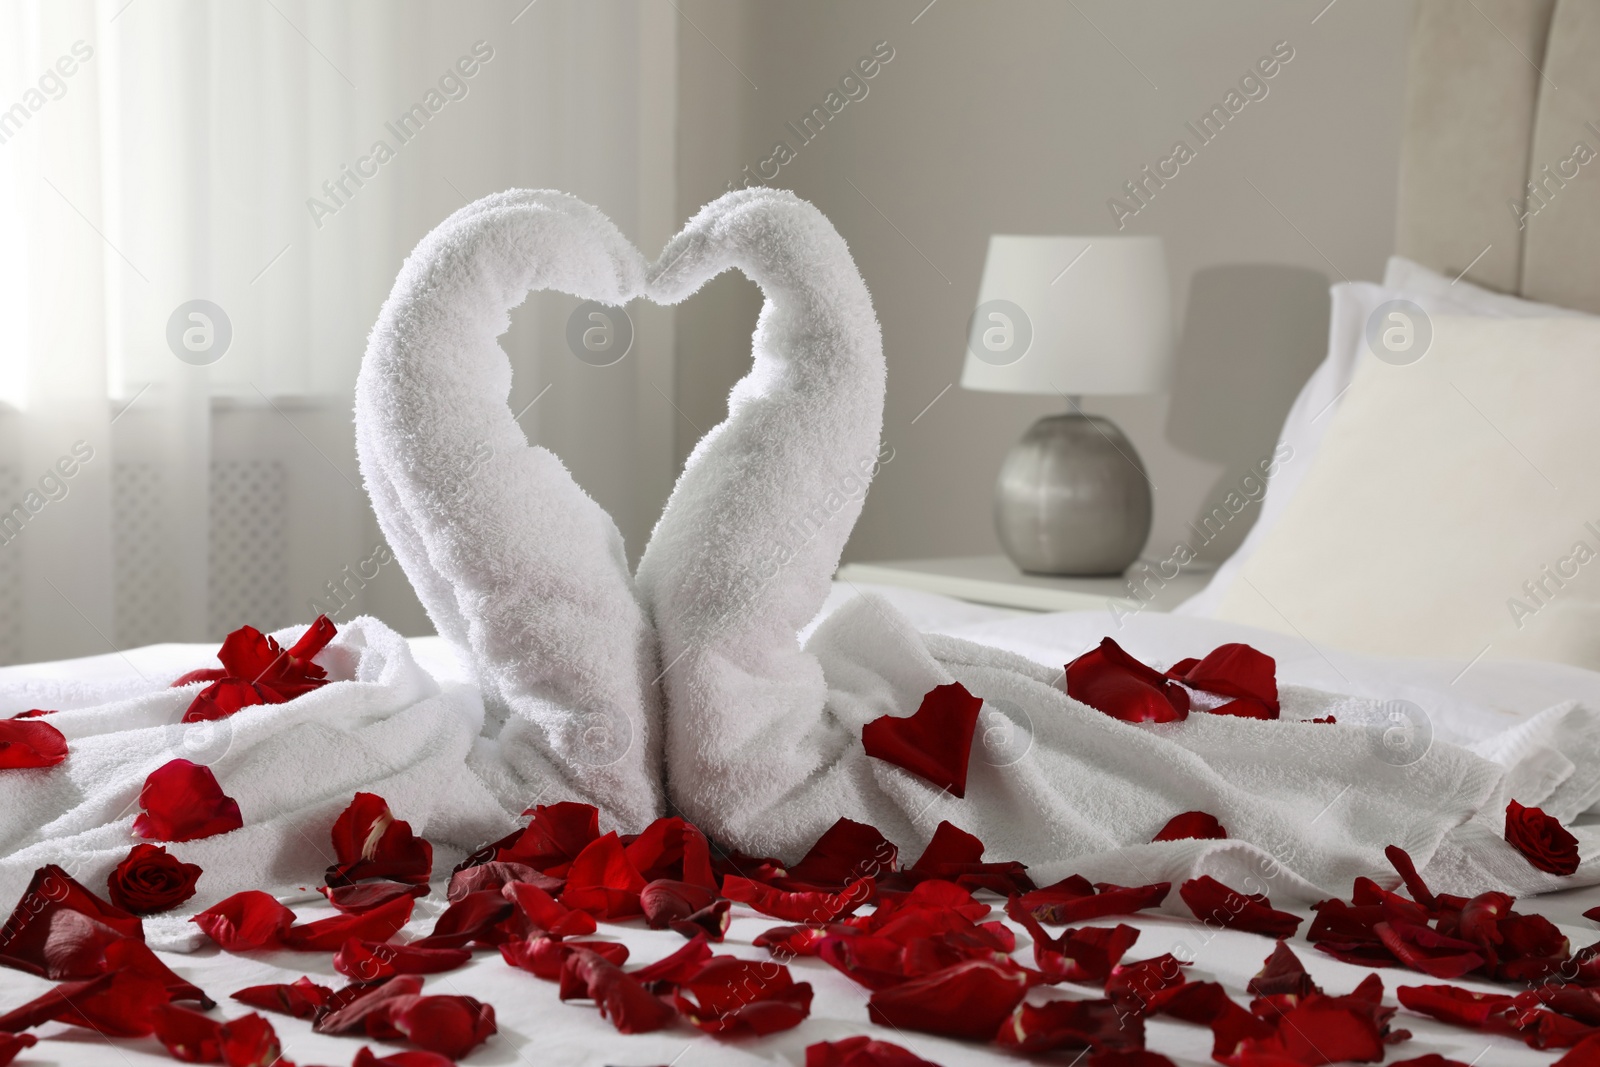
[
  {"x": 1545, "y": 842},
  {"x": 28, "y": 743},
  {"x": 151, "y": 880},
  {"x": 182, "y": 801},
  {"x": 257, "y": 670}
]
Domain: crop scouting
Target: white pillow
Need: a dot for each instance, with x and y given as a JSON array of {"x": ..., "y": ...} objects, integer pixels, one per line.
[
  {"x": 1352, "y": 304},
  {"x": 1454, "y": 507}
]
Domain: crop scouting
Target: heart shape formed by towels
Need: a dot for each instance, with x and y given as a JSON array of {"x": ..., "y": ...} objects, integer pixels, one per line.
[{"x": 527, "y": 575}]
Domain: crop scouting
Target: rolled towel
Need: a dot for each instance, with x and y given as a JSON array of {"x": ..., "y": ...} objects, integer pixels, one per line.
[
  {"x": 380, "y": 725},
  {"x": 518, "y": 568},
  {"x": 764, "y": 736}
]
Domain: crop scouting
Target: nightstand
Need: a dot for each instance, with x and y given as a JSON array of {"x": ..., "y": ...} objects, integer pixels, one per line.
[{"x": 996, "y": 580}]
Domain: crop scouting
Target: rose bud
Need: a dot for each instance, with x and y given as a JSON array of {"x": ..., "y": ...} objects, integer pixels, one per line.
[{"x": 151, "y": 880}]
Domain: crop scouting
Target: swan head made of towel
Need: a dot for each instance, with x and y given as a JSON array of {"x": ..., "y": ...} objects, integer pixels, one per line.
[{"x": 526, "y": 575}]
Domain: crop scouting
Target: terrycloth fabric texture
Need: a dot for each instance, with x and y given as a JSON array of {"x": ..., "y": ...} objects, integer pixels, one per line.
[
  {"x": 380, "y": 725},
  {"x": 516, "y": 565}
]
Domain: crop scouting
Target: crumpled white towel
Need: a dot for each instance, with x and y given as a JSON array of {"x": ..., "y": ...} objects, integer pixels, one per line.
[
  {"x": 380, "y": 725},
  {"x": 518, "y": 568}
]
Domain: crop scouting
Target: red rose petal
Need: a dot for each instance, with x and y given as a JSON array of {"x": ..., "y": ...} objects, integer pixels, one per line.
[
  {"x": 545, "y": 956},
  {"x": 1430, "y": 1059},
  {"x": 674, "y": 849},
  {"x": 544, "y": 914},
  {"x": 1282, "y": 974},
  {"x": 555, "y": 837},
  {"x": 119, "y": 1004},
  {"x": 451, "y": 1026},
  {"x": 678, "y": 967},
  {"x": 1426, "y": 950},
  {"x": 1543, "y": 840},
  {"x": 731, "y": 996},
  {"x": 370, "y": 1009},
  {"x": 224, "y": 697},
  {"x": 1401, "y": 860},
  {"x": 967, "y": 1000},
  {"x": 847, "y": 852},
  {"x": 195, "y": 1038},
  {"x": 603, "y": 882},
  {"x": 364, "y": 896},
  {"x": 246, "y": 921},
  {"x": 183, "y": 802},
  {"x": 620, "y": 997},
  {"x": 950, "y": 845},
  {"x": 28, "y": 743},
  {"x": 370, "y": 961},
  {"x": 665, "y": 901},
  {"x": 1109, "y": 680},
  {"x": 1195, "y": 824},
  {"x": 330, "y": 934},
  {"x": 1211, "y": 901},
  {"x": 1075, "y": 900},
  {"x": 496, "y": 874},
  {"x": 809, "y": 907},
  {"x": 1319, "y": 1029},
  {"x": 60, "y": 930},
  {"x": 365, "y": 1057},
  {"x": 476, "y": 917},
  {"x": 712, "y": 921},
  {"x": 11, "y": 1045},
  {"x": 862, "y": 1052},
  {"x": 1132, "y": 986},
  {"x": 1070, "y": 1024},
  {"x": 1208, "y": 1004},
  {"x": 370, "y": 842},
  {"x": 301, "y": 998},
  {"x": 151, "y": 880},
  {"x": 136, "y": 958},
  {"x": 1585, "y": 1053},
  {"x": 935, "y": 743},
  {"x": 1234, "y": 670}
]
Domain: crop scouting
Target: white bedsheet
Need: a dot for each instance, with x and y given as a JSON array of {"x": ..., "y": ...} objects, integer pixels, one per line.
[{"x": 1463, "y": 702}]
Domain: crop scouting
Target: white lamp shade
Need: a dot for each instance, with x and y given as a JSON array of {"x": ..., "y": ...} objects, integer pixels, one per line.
[{"x": 1071, "y": 315}]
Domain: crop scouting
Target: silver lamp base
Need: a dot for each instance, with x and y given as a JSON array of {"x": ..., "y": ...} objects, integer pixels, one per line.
[{"x": 1073, "y": 498}]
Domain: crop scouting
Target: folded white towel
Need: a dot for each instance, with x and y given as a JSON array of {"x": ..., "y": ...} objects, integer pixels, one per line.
[
  {"x": 516, "y": 565},
  {"x": 380, "y": 725}
]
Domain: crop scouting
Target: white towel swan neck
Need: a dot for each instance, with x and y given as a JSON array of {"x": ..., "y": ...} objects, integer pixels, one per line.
[{"x": 516, "y": 565}]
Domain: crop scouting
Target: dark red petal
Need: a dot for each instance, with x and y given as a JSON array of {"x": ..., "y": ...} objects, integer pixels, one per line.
[
  {"x": 1213, "y": 902},
  {"x": 543, "y": 914},
  {"x": 673, "y": 849},
  {"x": 1401, "y": 860},
  {"x": 935, "y": 743},
  {"x": 731, "y": 996},
  {"x": 182, "y": 802},
  {"x": 204, "y": 674},
  {"x": 1585, "y": 1053},
  {"x": 1318, "y": 1030},
  {"x": 1075, "y": 900},
  {"x": 620, "y": 997},
  {"x": 1133, "y": 985},
  {"x": 1430, "y": 1059},
  {"x": 847, "y": 852},
  {"x": 364, "y": 896},
  {"x": 1426, "y": 950},
  {"x": 136, "y": 958},
  {"x": 365, "y": 1057},
  {"x": 808, "y": 907},
  {"x": 495, "y": 874},
  {"x": 452, "y": 1026},
  {"x": 195, "y": 1038},
  {"x": 370, "y": 961},
  {"x": 26, "y": 743},
  {"x": 328, "y": 935},
  {"x": 1070, "y": 1024},
  {"x": 302, "y": 998},
  {"x": 665, "y": 901},
  {"x": 545, "y": 956},
  {"x": 1282, "y": 974},
  {"x": 11, "y": 1045},
  {"x": 711, "y": 921},
  {"x": 554, "y": 838},
  {"x": 603, "y": 882},
  {"x": 1208, "y": 1004},
  {"x": 314, "y": 640},
  {"x": 862, "y": 1052},
  {"x": 245, "y": 921},
  {"x": 950, "y": 844},
  {"x": 1543, "y": 840},
  {"x": 119, "y": 1004},
  {"x": 247, "y": 653},
  {"x": 59, "y": 929},
  {"x": 1195, "y": 824},
  {"x": 476, "y": 917},
  {"x": 967, "y": 1000},
  {"x": 1109, "y": 680},
  {"x": 370, "y": 842},
  {"x": 679, "y": 966},
  {"x": 226, "y": 696},
  {"x": 1234, "y": 670},
  {"x": 371, "y": 1009}
]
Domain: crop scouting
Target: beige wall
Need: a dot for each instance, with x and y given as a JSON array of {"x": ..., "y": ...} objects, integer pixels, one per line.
[{"x": 1026, "y": 116}]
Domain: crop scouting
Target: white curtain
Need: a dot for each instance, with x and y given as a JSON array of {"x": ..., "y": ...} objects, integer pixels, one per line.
[{"x": 179, "y": 173}]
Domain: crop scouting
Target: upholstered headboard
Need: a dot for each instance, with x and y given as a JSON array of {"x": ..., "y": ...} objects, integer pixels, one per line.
[{"x": 1500, "y": 163}]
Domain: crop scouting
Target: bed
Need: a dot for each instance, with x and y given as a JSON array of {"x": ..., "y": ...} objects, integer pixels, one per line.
[{"x": 1483, "y": 115}]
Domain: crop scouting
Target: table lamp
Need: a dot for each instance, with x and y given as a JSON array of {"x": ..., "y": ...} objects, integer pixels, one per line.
[{"x": 1070, "y": 317}]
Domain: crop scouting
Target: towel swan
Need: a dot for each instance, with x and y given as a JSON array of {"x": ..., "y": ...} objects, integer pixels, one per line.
[{"x": 762, "y": 737}]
